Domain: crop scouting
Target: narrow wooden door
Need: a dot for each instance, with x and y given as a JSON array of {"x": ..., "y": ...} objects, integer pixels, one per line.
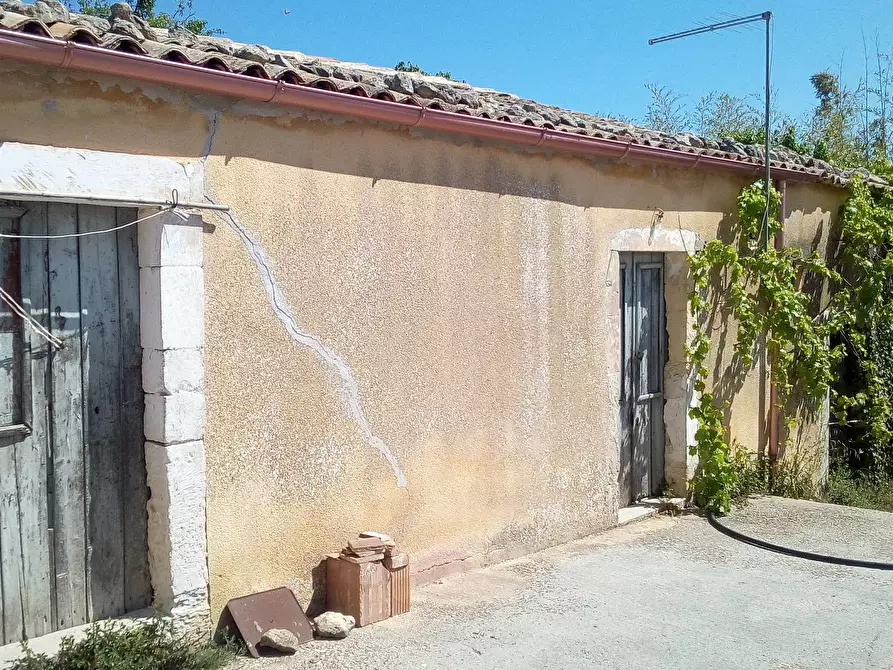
[
  {"x": 642, "y": 359},
  {"x": 73, "y": 545}
]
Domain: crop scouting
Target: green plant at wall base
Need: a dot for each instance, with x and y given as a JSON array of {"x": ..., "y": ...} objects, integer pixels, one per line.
[
  {"x": 758, "y": 286},
  {"x": 790, "y": 478},
  {"x": 153, "y": 645},
  {"x": 867, "y": 254}
]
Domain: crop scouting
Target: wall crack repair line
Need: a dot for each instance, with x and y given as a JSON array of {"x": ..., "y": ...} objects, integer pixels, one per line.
[
  {"x": 332, "y": 360},
  {"x": 329, "y": 357}
]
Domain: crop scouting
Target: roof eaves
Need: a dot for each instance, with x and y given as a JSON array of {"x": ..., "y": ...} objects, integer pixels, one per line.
[{"x": 390, "y": 87}]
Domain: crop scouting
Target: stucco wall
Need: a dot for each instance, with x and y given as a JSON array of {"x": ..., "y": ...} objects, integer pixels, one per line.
[{"x": 466, "y": 290}]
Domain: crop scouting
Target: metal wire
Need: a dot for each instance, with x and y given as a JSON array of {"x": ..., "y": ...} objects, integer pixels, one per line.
[
  {"x": 35, "y": 325},
  {"x": 10, "y": 236},
  {"x": 90, "y": 199}
]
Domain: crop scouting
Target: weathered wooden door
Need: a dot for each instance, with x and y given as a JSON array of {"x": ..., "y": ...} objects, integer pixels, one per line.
[
  {"x": 72, "y": 468},
  {"x": 642, "y": 358}
]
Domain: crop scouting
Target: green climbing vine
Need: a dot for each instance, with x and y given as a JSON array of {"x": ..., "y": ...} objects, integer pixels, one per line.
[
  {"x": 866, "y": 394},
  {"x": 763, "y": 292},
  {"x": 759, "y": 290}
]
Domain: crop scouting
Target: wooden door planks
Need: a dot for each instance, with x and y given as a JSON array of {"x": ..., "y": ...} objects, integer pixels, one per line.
[
  {"x": 135, "y": 492},
  {"x": 11, "y": 568},
  {"x": 32, "y": 459},
  {"x": 73, "y": 545},
  {"x": 66, "y": 423},
  {"x": 101, "y": 369}
]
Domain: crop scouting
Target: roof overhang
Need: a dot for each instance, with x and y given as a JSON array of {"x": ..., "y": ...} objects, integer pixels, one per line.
[{"x": 83, "y": 57}]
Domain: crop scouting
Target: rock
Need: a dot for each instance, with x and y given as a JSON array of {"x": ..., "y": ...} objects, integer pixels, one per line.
[
  {"x": 122, "y": 27},
  {"x": 425, "y": 89},
  {"x": 222, "y": 45},
  {"x": 400, "y": 82},
  {"x": 144, "y": 27},
  {"x": 252, "y": 52},
  {"x": 281, "y": 640},
  {"x": 689, "y": 140},
  {"x": 121, "y": 10},
  {"x": 396, "y": 561},
  {"x": 469, "y": 100},
  {"x": 374, "y": 80},
  {"x": 17, "y": 7},
  {"x": 449, "y": 94},
  {"x": 333, "y": 625},
  {"x": 321, "y": 70},
  {"x": 179, "y": 35},
  {"x": 51, "y": 11},
  {"x": 97, "y": 23},
  {"x": 346, "y": 75}
]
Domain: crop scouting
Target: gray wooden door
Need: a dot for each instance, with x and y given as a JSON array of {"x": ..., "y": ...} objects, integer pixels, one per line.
[
  {"x": 642, "y": 357},
  {"x": 73, "y": 546}
]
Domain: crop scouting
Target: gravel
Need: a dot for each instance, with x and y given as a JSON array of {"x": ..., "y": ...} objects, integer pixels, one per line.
[{"x": 661, "y": 593}]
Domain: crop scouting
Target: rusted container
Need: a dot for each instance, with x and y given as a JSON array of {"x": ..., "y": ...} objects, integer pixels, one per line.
[{"x": 361, "y": 590}]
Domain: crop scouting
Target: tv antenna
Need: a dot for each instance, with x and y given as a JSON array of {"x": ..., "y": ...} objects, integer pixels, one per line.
[{"x": 743, "y": 20}]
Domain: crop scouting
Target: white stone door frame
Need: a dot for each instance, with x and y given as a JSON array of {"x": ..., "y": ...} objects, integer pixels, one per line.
[
  {"x": 677, "y": 244},
  {"x": 172, "y": 334},
  {"x": 171, "y": 258}
]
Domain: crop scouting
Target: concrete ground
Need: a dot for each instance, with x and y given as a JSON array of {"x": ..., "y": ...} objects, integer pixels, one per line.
[{"x": 662, "y": 593}]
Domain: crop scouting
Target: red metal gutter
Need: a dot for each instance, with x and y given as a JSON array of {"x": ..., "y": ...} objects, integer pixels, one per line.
[{"x": 66, "y": 54}]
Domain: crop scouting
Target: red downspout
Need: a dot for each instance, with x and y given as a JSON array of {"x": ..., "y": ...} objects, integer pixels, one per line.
[
  {"x": 774, "y": 411},
  {"x": 67, "y": 54}
]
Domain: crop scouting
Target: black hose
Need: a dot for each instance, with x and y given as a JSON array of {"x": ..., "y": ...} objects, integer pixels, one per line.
[{"x": 808, "y": 555}]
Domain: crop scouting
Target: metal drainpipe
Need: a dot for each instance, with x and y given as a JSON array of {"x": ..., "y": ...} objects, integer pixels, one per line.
[{"x": 774, "y": 412}]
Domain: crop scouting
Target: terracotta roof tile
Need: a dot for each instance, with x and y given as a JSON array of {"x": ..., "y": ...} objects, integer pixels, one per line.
[
  {"x": 23, "y": 23},
  {"x": 126, "y": 32}
]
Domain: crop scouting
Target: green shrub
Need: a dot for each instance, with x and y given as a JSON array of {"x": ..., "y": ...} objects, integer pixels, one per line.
[
  {"x": 154, "y": 645},
  {"x": 790, "y": 478},
  {"x": 847, "y": 488}
]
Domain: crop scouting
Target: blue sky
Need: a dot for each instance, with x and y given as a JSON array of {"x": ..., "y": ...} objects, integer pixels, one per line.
[{"x": 585, "y": 55}]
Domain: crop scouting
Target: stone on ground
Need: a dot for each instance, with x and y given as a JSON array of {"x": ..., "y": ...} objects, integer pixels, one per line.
[
  {"x": 334, "y": 624},
  {"x": 279, "y": 639}
]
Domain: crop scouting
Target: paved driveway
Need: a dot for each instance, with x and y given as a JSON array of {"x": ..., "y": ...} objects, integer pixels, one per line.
[{"x": 663, "y": 593}]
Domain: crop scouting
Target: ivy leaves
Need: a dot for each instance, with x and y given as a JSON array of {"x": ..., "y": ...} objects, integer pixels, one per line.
[
  {"x": 867, "y": 231},
  {"x": 759, "y": 288}
]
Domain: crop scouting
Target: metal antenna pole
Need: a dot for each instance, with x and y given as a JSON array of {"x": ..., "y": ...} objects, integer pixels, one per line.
[{"x": 767, "y": 17}]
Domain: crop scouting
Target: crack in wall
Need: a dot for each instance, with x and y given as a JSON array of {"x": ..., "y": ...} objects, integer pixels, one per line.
[
  {"x": 328, "y": 356},
  {"x": 278, "y": 302}
]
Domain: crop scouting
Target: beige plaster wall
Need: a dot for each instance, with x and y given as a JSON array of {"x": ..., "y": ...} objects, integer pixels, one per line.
[
  {"x": 468, "y": 288},
  {"x": 811, "y": 224}
]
